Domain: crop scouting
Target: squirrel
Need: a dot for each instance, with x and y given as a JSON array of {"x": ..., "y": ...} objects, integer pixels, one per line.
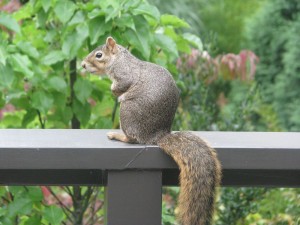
[{"x": 148, "y": 98}]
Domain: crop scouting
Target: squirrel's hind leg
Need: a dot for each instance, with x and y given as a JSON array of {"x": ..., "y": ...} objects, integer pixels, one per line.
[{"x": 120, "y": 137}]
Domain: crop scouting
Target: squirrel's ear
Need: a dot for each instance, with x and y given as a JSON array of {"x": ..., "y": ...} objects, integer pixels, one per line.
[{"x": 111, "y": 45}]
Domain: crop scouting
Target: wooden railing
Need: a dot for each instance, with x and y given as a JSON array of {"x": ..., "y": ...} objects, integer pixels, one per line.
[{"x": 134, "y": 174}]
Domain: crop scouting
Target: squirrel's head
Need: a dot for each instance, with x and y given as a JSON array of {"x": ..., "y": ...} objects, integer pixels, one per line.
[{"x": 98, "y": 61}]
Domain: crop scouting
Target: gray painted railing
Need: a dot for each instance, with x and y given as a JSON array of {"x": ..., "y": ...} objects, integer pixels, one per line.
[{"x": 134, "y": 174}]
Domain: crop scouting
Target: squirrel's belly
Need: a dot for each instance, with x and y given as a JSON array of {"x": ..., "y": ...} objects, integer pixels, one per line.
[{"x": 144, "y": 129}]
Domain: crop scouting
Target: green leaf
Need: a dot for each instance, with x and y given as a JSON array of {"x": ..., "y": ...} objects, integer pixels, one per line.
[
  {"x": 124, "y": 21},
  {"x": 41, "y": 18},
  {"x": 46, "y": 4},
  {"x": 83, "y": 89},
  {"x": 73, "y": 42},
  {"x": 194, "y": 40},
  {"x": 146, "y": 9},
  {"x": 82, "y": 31},
  {"x": 19, "y": 206},
  {"x": 29, "y": 49},
  {"x": 7, "y": 21},
  {"x": 22, "y": 64},
  {"x": 33, "y": 220},
  {"x": 54, "y": 215},
  {"x": 172, "y": 20},
  {"x": 3, "y": 55},
  {"x": 96, "y": 13},
  {"x": 77, "y": 18},
  {"x": 143, "y": 35},
  {"x": 65, "y": 114},
  {"x": 64, "y": 10},
  {"x": 24, "y": 12},
  {"x": 2, "y": 103},
  {"x": 57, "y": 83},
  {"x": 53, "y": 57},
  {"x": 29, "y": 117},
  {"x": 6, "y": 76},
  {"x": 97, "y": 28},
  {"x": 82, "y": 111},
  {"x": 167, "y": 44},
  {"x": 35, "y": 193},
  {"x": 41, "y": 101}
]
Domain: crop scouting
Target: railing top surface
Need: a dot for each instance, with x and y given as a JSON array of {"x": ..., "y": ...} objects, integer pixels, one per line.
[
  {"x": 90, "y": 149},
  {"x": 92, "y": 138}
]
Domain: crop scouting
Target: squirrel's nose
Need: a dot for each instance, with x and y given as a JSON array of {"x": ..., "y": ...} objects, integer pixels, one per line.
[{"x": 83, "y": 65}]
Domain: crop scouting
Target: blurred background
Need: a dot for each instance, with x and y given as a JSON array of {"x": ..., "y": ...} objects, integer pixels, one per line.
[{"x": 235, "y": 61}]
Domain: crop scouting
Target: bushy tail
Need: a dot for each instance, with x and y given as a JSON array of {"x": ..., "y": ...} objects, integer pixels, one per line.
[{"x": 200, "y": 174}]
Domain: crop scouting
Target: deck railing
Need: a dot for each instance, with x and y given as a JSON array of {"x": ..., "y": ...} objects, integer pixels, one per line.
[{"x": 134, "y": 174}]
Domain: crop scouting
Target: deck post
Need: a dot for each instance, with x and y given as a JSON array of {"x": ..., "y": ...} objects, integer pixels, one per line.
[{"x": 133, "y": 197}]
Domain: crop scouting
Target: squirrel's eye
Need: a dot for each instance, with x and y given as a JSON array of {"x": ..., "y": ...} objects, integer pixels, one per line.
[{"x": 98, "y": 55}]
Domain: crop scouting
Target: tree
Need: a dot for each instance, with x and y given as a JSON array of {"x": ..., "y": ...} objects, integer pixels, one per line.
[{"x": 274, "y": 35}]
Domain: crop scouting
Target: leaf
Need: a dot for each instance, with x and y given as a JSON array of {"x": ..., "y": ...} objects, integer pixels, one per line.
[
  {"x": 6, "y": 76},
  {"x": 29, "y": 49},
  {"x": 124, "y": 21},
  {"x": 82, "y": 111},
  {"x": 53, "y": 57},
  {"x": 54, "y": 215},
  {"x": 19, "y": 206},
  {"x": 97, "y": 28},
  {"x": 46, "y": 4},
  {"x": 7, "y": 21},
  {"x": 96, "y": 13},
  {"x": 64, "y": 10},
  {"x": 146, "y": 9},
  {"x": 77, "y": 18},
  {"x": 194, "y": 40},
  {"x": 57, "y": 83},
  {"x": 29, "y": 117},
  {"x": 22, "y": 64},
  {"x": 2, "y": 104},
  {"x": 33, "y": 220},
  {"x": 144, "y": 35},
  {"x": 172, "y": 20},
  {"x": 3, "y": 55},
  {"x": 82, "y": 31},
  {"x": 35, "y": 193},
  {"x": 167, "y": 44},
  {"x": 111, "y": 13},
  {"x": 141, "y": 38},
  {"x": 41, "y": 101},
  {"x": 73, "y": 42},
  {"x": 82, "y": 89}
]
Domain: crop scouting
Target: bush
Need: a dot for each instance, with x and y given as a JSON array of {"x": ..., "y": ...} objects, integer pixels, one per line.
[{"x": 278, "y": 73}]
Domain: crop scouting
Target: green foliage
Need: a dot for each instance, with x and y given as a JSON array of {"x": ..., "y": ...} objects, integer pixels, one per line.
[
  {"x": 23, "y": 205},
  {"x": 221, "y": 23},
  {"x": 279, "y": 72},
  {"x": 236, "y": 203},
  {"x": 37, "y": 62}
]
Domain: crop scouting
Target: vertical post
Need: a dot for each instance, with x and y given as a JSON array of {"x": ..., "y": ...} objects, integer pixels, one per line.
[{"x": 133, "y": 197}]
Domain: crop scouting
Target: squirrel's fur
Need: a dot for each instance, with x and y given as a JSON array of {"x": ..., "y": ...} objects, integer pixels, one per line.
[{"x": 148, "y": 98}]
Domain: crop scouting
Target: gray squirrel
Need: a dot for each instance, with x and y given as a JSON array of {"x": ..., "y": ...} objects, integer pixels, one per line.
[{"x": 148, "y": 98}]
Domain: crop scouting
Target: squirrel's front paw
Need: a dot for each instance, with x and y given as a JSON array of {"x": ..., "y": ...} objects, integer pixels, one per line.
[{"x": 111, "y": 135}]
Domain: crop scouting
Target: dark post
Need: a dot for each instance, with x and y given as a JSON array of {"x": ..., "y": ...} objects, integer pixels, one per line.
[{"x": 133, "y": 197}]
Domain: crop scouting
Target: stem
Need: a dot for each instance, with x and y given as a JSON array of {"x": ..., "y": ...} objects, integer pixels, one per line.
[
  {"x": 77, "y": 203},
  {"x": 114, "y": 110},
  {"x": 75, "y": 124},
  {"x": 42, "y": 122}
]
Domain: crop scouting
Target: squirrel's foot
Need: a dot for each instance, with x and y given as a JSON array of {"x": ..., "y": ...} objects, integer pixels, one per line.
[{"x": 118, "y": 137}]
